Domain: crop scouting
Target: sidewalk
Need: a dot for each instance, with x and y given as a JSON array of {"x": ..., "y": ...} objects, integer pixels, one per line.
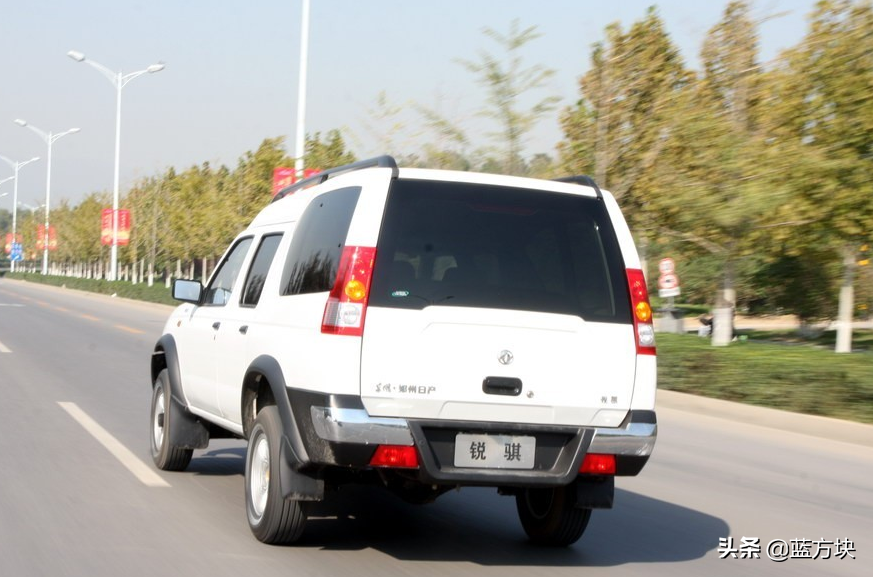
[{"x": 824, "y": 427}]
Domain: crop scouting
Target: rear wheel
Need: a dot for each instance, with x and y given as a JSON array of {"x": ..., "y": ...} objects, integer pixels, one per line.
[
  {"x": 550, "y": 517},
  {"x": 272, "y": 519},
  {"x": 166, "y": 456}
]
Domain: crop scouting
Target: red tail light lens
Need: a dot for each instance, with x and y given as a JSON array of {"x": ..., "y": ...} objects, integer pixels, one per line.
[
  {"x": 598, "y": 464},
  {"x": 395, "y": 456},
  {"x": 644, "y": 330},
  {"x": 347, "y": 304}
]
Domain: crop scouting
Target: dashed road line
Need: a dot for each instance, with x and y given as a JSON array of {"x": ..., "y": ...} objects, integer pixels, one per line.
[
  {"x": 4, "y": 349},
  {"x": 124, "y": 455},
  {"x": 81, "y": 315}
]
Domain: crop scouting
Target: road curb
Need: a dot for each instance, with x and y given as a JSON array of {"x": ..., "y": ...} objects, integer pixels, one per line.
[{"x": 823, "y": 427}]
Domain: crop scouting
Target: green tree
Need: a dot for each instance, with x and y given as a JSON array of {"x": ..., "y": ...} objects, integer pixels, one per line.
[
  {"x": 507, "y": 81},
  {"x": 618, "y": 127},
  {"x": 825, "y": 110},
  {"x": 718, "y": 185},
  {"x": 328, "y": 153}
]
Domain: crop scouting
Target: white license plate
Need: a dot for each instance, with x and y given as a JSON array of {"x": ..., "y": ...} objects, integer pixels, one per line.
[{"x": 495, "y": 451}]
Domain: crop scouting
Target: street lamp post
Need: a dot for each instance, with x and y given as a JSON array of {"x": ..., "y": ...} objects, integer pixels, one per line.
[
  {"x": 119, "y": 80},
  {"x": 49, "y": 139},
  {"x": 15, "y": 166},
  {"x": 300, "y": 140}
]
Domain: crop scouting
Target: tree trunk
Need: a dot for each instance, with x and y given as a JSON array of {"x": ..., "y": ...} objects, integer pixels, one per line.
[
  {"x": 847, "y": 304},
  {"x": 725, "y": 306}
]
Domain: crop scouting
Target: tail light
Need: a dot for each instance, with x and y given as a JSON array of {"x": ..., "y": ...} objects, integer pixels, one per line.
[
  {"x": 395, "y": 456},
  {"x": 347, "y": 303},
  {"x": 598, "y": 464},
  {"x": 644, "y": 330}
]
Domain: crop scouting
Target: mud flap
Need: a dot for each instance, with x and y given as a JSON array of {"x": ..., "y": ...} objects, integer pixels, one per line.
[
  {"x": 295, "y": 485},
  {"x": 187, "y": 432},
  {"x": 595, "y": 492}
]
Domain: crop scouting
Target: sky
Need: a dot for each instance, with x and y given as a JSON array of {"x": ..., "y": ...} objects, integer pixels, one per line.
[{"x": 231, "y": 74}]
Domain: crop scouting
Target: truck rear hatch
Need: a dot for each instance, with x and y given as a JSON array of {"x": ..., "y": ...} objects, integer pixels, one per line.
[{"x": 500, "y": 304}]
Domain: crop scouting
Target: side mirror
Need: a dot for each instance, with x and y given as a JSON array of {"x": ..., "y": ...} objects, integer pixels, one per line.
[{"x": 189, "y": 291}]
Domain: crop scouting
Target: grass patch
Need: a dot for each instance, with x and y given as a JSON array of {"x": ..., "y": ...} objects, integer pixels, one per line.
[
  {"x": 800, "y": 377},
  {"x": 157, "y": 293},
  {"x": 862, "y": 340}
]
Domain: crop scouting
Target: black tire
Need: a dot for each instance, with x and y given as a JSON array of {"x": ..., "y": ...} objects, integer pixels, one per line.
[
  {"x": 167, "y": 457},
  {"x": 272, "y": 519},
  {"x": 549, "y": 516}
]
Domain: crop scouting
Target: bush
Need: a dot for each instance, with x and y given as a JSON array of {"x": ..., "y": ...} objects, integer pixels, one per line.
[{"x": 156, "y": 293}]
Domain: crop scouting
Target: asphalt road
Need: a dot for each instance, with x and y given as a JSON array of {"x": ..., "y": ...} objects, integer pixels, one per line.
[{"x": 79, "y": 496}]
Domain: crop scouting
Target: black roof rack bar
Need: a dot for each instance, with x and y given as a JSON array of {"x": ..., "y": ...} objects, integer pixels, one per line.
[
  {"x": 584, "y": 180},
  {"x": 383, "y": 161}
]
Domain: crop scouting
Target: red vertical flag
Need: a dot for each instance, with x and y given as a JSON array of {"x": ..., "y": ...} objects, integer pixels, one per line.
[
  {"x": 282, "y": 176},
  {"x": 123, "y": 227}
]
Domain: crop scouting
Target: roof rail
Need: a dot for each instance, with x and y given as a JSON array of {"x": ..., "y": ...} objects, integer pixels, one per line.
[
  {"x": 384, "y": 161},
  {"x": 584, "y": 180}
]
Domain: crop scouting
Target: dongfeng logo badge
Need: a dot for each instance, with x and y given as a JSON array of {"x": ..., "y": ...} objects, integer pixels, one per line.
[{"x": 505, "y": 357}]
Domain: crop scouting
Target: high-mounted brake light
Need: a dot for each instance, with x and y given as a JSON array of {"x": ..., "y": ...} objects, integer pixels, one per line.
[
  {"x": 644, "y": 330},
  {"x": 347, "y": 303},
  {"x": 598, "y": 464},
  {"x": 395, "y": 456}
]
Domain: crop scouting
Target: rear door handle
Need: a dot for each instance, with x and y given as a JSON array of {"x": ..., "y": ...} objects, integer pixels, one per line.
[
  {"x": 216, "y": 324},
  {"x": 244, "y": 329},
  {"x": 502, "y": 386}
]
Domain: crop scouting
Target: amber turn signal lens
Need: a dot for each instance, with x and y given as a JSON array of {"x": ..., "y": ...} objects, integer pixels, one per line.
[
  {"x": 643, "y": 312},
  {"x": 355, "y": 290}
]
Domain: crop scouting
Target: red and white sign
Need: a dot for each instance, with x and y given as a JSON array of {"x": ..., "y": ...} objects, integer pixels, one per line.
[
  {"x": 668, "y": 282},
  {"x": 666, "y": 266}
]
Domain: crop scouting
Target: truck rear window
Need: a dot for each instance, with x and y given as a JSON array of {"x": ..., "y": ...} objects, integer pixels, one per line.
[{"x": 470, "y": 245}]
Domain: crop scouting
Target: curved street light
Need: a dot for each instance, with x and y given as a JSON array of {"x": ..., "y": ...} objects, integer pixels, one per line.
[
  {"x": 49, "y": 138},
  {"x": 119, "y": 80},
  {"x": 15, "y": 166}
]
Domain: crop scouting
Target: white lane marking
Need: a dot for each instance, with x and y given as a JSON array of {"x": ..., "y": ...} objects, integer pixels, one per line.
[
  {"x": 3, "y": 349},
  {"x": 119, "y": 451}
]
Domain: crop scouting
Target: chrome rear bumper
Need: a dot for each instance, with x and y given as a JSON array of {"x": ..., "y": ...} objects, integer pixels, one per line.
[{"x": 356, "y": 426}]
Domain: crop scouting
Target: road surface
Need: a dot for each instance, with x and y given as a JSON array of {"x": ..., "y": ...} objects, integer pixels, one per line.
[{"x": 79, "y": 495}]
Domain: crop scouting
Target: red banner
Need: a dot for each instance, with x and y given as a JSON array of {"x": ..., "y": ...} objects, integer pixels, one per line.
[
  {"x": 123, "y": 227},
  {"x": 40, "y": 238},
  {"x": 9, "y": 241},
  {"x": 284, "y": 176},
  {"x": 106, "y": 227}
]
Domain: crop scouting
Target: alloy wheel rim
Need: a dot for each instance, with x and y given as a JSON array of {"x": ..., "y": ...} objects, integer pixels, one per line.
[
  {"x": 259, "y": 475},
  {"x": 159, "y": 420}
]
